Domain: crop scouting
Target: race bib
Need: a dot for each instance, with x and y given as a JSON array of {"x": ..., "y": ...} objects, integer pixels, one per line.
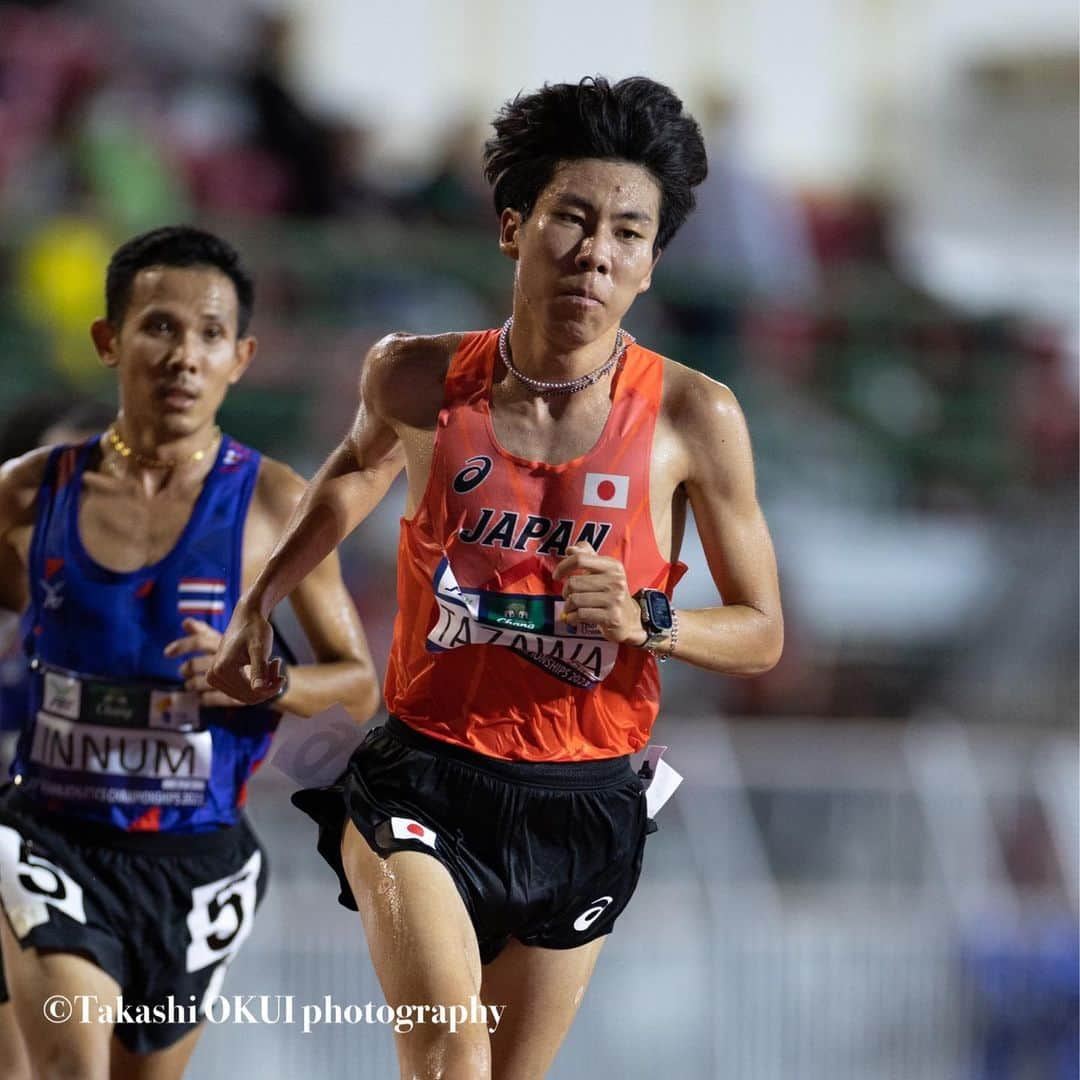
[
  {"x": 152, "y": 766},
  {"x": 222, "y": 914},
  {"x": 529, "y": 625},
  {"x": 30, "y": 884}
]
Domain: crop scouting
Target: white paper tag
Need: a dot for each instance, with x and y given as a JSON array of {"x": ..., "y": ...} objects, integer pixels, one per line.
[
  {"x": 659, "y": 778},
  {"x": 664, "y": 782},
  {"x": 653, "y": 754},
  {"x": 313, "y": 751}
]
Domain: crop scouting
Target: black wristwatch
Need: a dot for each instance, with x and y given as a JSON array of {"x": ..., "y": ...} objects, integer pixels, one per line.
[{"x": 655, "y": 615}]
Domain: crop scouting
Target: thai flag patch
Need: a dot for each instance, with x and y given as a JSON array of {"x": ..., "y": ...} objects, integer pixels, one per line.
[{"x": 201, "y": 596}]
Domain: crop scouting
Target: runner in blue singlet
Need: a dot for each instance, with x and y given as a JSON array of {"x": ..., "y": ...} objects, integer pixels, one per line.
[{"x": 127, "y": 866}]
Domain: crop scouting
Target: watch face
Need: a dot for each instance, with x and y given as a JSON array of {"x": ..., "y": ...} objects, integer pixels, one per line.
[{"x": 659, "y": 609}]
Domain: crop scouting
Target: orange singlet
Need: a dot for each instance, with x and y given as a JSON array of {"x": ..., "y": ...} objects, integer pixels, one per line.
[{"x": 480, "y": 657}]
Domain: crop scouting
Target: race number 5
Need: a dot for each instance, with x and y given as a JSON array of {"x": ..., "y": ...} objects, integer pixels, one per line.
[
  {"x": 222, "y": 914},
  {"x": 30, "y": 884}
]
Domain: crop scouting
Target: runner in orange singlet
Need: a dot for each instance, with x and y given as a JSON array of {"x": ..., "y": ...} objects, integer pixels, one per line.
[{"x": 492, "y": 831}]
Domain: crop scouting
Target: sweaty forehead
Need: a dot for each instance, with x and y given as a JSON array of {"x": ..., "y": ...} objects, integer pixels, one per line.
[
  {"x": 616, "y": 184},
  {"x": 204, "y": 289}
]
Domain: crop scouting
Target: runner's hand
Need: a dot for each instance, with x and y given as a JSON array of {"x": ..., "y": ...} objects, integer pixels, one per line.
[
  {"x": 242, "y": 667},
  {"x": 596, "y": 591},
  {"x": 200, "y": 643}
]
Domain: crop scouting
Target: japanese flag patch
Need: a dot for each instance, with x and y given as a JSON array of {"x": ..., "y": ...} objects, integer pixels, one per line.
[
  {"x": 405, "y": 828},
  {"x": 606, "y": 489}
]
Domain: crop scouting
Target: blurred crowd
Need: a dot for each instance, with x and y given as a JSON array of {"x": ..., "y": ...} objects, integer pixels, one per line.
[{"x": 870, "y": 399}]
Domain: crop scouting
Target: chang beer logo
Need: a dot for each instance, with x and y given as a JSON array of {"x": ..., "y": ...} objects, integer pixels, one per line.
[
  {"x": 112, "y": 705},
  {"x": 514, "y": 612}
]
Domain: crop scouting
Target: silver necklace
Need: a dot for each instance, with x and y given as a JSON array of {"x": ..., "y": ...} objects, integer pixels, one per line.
[{"x": 567, "y": 386}]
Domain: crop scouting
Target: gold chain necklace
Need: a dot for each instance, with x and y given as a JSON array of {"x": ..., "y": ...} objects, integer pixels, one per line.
[{"x": 145, "y": 462}]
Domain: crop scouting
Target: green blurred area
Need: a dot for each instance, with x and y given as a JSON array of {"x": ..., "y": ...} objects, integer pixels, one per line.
[{"x": 928, "y": 393}]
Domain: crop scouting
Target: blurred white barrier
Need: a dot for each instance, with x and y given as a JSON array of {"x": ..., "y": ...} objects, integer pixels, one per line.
[{"x": 795, "y": 921}]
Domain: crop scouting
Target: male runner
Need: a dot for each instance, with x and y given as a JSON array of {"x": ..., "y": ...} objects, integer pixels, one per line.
[
  {"x": 493, "y": 830},
  {"x": 126, "y": 863}
]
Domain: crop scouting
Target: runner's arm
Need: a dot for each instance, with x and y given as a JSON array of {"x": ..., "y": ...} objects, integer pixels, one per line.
[
  {"x": 346, "y": 489},
  {"x": 343, "y": 670},
  {"x": 745, "y": 635},
  {"x": 20, "y": 479}
]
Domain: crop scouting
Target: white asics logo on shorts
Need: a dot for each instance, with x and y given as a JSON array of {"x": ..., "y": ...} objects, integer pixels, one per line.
[{"x": 592, "y": 913}]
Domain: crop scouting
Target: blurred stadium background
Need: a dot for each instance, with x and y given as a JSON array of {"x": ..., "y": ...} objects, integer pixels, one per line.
[{"x": 871, "y": 872}]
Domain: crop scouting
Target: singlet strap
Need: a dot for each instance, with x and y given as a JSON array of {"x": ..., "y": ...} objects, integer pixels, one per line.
[{"x": 469, "y": 374}]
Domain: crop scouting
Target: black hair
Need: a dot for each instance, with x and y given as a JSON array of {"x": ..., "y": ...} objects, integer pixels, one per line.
[
  {"x": 26, "y": 425},
  {"x": 85, "y": 414},
  {"x": 637, "y": 120},
  {"x": 176, "y": 245}
]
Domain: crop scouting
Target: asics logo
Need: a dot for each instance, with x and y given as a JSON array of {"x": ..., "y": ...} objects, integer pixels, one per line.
[
  {"x": 592, "y": 912},
  {"x": 473, "y": 475}
]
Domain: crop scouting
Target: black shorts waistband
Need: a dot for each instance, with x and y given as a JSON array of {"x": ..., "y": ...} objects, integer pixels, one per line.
[
  {"x": 94, "y": 834},
  {"x": 568, "y": 775}
]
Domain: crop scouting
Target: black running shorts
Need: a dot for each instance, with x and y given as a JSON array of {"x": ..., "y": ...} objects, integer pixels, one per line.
[
  {"x": 162, "y": 914},
  {"x": 549, "y": 854}
]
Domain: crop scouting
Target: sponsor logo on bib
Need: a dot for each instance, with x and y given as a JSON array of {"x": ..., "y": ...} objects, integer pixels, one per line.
[
  {"x": 528, "y": 625},
  {"x": 62, "y": 695}
]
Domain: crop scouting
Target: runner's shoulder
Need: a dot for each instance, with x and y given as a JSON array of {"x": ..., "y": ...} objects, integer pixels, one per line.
[
  {"x": 691, "y": 396},
  {"x": 402, "y": 353},
  {"x": 278, "y": 490},
  {"x": 403, "y": 370},
  {"x": 20, "y": 479}
]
